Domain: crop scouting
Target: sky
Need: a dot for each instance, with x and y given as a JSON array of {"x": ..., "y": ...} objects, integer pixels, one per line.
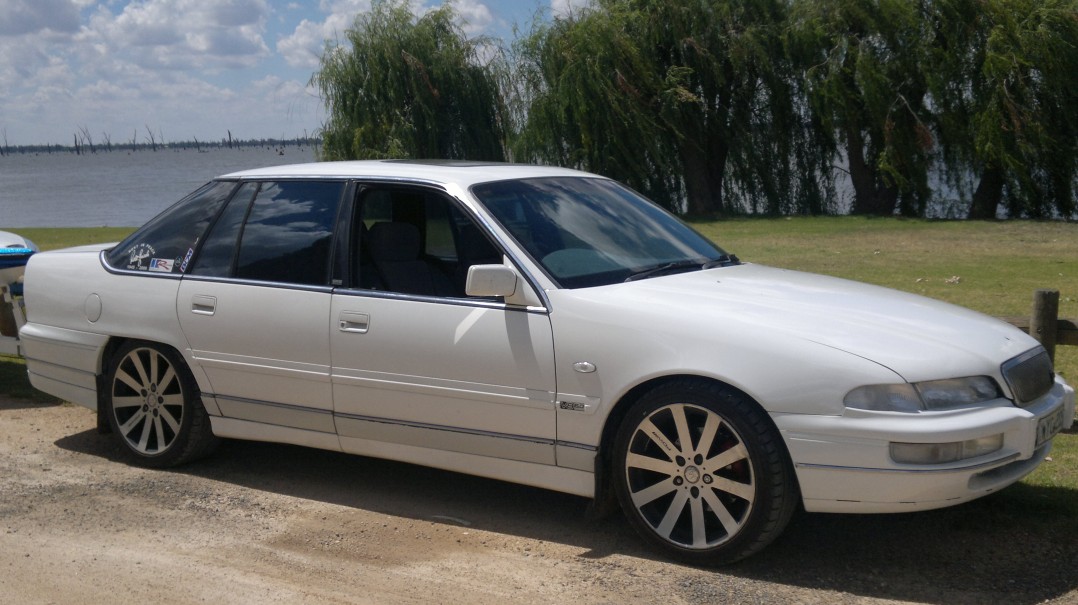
[{"x": 186, "y": 69}]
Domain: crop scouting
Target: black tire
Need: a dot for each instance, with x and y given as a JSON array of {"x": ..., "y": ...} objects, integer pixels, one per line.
[
  {"x": 724, "y": 495},
  {"x": 154, "y": 406}
]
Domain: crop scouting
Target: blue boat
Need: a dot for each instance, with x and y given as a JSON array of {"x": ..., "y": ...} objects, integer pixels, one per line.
[{"x": 15, "y": 251}]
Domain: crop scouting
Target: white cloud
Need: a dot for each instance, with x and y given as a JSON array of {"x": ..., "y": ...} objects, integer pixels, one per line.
[
  {"x": 187, "y": 67},
  {"x": 184, "y": 34},
  {"x": 475, "y": 17},
  {"x": 568, "y": 8},
  {"x": 31, "y": 16},
  {"x": 304, "y": 46}
]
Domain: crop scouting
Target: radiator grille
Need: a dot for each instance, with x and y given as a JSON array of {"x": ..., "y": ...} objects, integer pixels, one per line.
[{"x": 1029, "y": 375}]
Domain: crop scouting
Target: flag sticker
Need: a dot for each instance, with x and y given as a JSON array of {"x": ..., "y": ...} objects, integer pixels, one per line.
[{"x": 161, "y": 265}]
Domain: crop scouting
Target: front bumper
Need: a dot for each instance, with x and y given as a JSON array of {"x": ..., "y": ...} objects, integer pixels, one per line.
[{"x": 843, "y": 463}]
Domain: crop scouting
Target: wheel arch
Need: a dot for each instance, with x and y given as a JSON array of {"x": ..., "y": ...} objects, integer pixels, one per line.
[
  {"x": 114, "y": 344},
  {"x": 605, "y": 502}
]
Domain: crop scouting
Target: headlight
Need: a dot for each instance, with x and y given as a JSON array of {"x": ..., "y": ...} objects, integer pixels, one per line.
[{"x": 931, "y": 395}]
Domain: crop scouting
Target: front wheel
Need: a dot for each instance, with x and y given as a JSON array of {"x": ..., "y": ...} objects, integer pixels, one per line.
[
  {"x": 702, "y": 473},
  {"x": 154, "y": 406}
]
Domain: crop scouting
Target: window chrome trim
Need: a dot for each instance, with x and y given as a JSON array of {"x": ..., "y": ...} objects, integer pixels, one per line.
[
  {"x": 265, "y": 284},
  {"x": 459, "y": 302}
]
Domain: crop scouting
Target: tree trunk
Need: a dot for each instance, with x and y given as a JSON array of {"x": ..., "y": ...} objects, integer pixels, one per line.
[
  {"x": 703, "y": 177},
  {"x": 870, "y": 196},
  {"x": 988, "y": 195}
]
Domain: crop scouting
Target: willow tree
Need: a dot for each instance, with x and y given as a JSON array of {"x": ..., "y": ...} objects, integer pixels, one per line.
[
  {"x": 865, "y": 84},
  {"x": 402, "y": 86},
  {"x": 583, "y": 86},
  {"x": 1002, "y": 77},
  {"x": 684, "y": 99}
]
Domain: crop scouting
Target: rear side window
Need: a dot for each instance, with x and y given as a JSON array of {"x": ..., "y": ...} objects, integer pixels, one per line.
[
  {"x": 167, "y": 242},
  {"x": 274, "y": 231},
  {"x": 218, "y": 253}
]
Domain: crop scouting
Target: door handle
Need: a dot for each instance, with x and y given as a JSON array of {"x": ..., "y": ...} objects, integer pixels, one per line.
[
  {"x": 203, "y": 305},
  {"x": 351, "y": 321}
]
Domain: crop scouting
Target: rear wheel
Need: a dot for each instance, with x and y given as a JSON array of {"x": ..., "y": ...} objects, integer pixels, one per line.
[
  {"x": 702, "y": 474},
  {"x": 154, "y": 407}
]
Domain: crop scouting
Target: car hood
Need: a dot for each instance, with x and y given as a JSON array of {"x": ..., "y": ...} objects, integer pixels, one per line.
[{"x": 917, "y": 337}]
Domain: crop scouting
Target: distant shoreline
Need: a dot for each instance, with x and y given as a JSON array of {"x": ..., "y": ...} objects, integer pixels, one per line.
[{"x": 90, "y": 148}]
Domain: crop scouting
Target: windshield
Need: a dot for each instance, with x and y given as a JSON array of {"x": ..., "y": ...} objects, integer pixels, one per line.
[{"x": 592, "y": 232}]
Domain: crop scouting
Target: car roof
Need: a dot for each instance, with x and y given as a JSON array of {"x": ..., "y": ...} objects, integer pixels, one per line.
[{"x": 462, "y": 173}]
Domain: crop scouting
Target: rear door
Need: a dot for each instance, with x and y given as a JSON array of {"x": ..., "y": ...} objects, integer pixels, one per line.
[{"x": 255, "y": 304}]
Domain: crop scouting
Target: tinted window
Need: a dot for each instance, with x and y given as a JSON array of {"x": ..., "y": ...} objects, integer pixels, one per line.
[
  {"x": 167, "y": 242},
  {"x": 288, "y": 232},
  {"x": 219, "y": 249}
]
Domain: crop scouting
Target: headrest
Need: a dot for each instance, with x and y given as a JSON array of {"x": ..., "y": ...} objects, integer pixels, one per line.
[{"x": 394, "y": 242}]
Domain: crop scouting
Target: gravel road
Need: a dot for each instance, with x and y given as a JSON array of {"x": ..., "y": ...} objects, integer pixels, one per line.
[{"x": 262, "y": 523}]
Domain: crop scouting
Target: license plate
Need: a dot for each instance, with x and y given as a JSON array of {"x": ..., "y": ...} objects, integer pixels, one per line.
[{"x": 1048, "y": 426}]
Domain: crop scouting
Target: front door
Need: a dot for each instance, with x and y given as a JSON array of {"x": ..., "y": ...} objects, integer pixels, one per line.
[{"x": 418, "y": 364}]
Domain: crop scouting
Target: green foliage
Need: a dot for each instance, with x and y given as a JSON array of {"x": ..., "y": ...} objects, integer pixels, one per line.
[
  {"x": 1007, "y": 102},
  {"x": 408, "y": 87},
  {"x": 738, "y": 106},
  {"x": 691, "y": 102},
  {"x": 863, "y": 63}
]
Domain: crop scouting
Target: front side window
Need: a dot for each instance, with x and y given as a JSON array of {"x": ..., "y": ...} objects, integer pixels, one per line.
[
  {"x": 167, "y": 242},
  {"x": 592, "y": 232},
  {"x": 416, "y": 241}
]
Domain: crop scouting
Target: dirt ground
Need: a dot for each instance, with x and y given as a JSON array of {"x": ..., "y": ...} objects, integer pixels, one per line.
[{"x": 263, "y": 523}]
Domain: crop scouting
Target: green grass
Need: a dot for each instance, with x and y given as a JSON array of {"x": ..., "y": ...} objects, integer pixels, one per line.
[
  {"x": 999, "y": 265},
  {"x": 51, "y": 239},
  {"x": 15, "y": 384}
]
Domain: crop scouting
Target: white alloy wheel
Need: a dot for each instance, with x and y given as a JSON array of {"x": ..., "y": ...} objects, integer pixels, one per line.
[
  {"x": 702, "y": 473},
  {"x": 154, "y": 406}
]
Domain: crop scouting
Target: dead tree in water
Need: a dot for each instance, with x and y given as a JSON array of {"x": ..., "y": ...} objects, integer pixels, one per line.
[
  {"x": 230, "y": 139},
  {"x": 153, "y": 141},
  {"x": 77, "y": 150},
  {"x": 108, "y": 141},
  {"x": 87, "y": 138}
]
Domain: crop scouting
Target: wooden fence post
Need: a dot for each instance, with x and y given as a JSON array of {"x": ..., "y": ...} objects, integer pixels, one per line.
[{"x": 1043, "y": 322}]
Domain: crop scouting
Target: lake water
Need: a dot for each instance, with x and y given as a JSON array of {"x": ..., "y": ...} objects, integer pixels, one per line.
[{"x": 117, "y": 189}]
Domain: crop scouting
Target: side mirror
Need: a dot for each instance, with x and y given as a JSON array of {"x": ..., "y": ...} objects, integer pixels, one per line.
[{"x": 491, "y": 280}]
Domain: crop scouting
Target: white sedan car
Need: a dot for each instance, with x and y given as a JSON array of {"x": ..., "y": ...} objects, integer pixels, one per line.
[{"x": 542, "y": 326}]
